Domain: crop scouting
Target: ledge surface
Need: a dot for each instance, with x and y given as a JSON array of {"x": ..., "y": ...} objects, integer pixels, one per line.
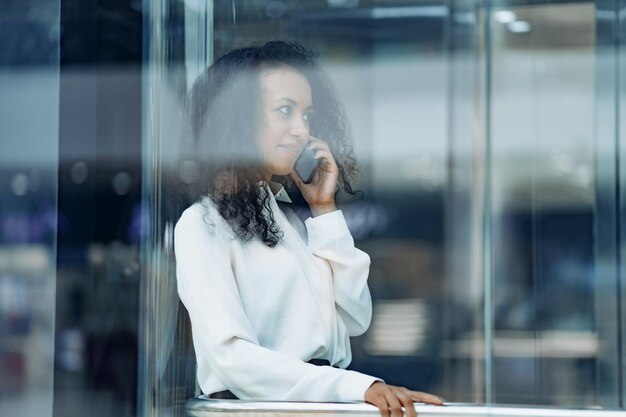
[{"x": 205, "y": 407}]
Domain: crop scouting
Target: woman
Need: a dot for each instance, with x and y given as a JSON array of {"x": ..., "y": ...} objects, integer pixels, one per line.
[{"x": 272, "y": 300}]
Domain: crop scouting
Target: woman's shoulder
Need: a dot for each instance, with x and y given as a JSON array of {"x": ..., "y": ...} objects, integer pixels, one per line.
[{"x": 201, "y": 216}]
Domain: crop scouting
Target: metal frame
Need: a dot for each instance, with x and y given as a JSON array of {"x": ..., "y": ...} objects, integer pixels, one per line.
[
  {"x": 621, "y": 136},
  {"x": 162, "y": 338},
  {"x": 608, "y": 224},
  {"x": 466, "y": 185}
]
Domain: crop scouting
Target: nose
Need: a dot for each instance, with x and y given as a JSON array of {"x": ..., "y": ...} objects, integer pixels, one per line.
[{"x": 300, "y": 129}]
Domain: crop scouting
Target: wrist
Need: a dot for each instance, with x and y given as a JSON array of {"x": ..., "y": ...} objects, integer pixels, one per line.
[
  {"x": 319, "y": 209},
  {"x": 371, "y": 390}
]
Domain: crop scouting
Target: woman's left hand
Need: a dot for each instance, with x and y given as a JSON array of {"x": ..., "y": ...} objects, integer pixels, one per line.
[{"x": 320, "y": 193}]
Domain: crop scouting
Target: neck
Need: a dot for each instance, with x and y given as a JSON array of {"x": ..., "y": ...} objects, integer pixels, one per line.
[{"x": 266, "y": 176}]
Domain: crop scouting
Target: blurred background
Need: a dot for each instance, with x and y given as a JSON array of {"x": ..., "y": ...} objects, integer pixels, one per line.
[{"x": 490, "y": 137}]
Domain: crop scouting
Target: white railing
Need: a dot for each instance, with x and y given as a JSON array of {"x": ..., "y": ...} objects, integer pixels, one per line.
[{"x": 206, "y": 407}]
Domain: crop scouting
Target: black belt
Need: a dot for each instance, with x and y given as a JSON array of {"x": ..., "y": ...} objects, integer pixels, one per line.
[
  {"x": 228, "y": 395},
  {"x": 320, "y": 362}
]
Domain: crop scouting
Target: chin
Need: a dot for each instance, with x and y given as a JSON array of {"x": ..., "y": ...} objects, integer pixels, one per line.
[
  {"x": 283, "y": 172},
  {"x": 283, "y": 168}
]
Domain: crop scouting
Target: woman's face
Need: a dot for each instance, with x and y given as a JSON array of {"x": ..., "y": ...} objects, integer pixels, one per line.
[{"x": 287, "y": 106}]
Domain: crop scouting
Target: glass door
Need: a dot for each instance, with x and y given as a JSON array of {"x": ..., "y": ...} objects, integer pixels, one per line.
[{"x": 488, "y": 138}]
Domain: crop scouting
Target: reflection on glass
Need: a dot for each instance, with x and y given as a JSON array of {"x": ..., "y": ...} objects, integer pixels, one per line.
[
  {"x": 390, "y": 89},
  {"x": 489, "y": 189},
  {"x": 29, "y": 77},
  {"x": 546, "y": 345}
]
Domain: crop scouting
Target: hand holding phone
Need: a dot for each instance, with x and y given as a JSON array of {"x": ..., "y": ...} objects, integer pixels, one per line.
[
  {"x": 306, "y": 165},
  {"x": 316, "y": 162}
]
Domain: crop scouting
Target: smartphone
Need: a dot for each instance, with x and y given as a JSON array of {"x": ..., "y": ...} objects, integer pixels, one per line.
[{"x": 306, "y": 166}]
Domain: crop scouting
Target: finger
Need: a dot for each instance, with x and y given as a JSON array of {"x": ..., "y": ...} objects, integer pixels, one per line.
[
  {"x": 395, "y": 406},
  {"x": 426, "y": 398},
  {"x": 431, "y": 399},
  {"x": 383, "y": 406},
  {"x": 296, "y": 178},
  {"x": 323, "y": 154},
  {"x": 318, "y": 144},
  {"x": 327, "y": 160},
  {"x": 407, "y": 403},
  {"x": 328, "y": 164}
]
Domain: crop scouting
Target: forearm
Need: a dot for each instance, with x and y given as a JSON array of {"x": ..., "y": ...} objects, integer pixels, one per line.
[
  {"x": 253, "y": 372},
  {"x": 330, "y": 239}
]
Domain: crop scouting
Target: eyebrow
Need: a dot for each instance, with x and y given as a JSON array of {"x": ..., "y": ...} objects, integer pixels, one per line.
[{"x": 292, "y": 101}]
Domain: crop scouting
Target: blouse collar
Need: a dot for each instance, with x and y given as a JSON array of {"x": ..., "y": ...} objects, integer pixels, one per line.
[{"x": 281, "y": 194}]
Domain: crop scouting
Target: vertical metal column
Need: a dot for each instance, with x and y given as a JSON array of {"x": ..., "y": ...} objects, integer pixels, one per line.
[
  {"x": 463, "y": 227},
  {"x": 173, "y": 61},
  {"x": 487, "y": 209},
  {"x": 607, "y": 217},
  {"x": 620, "y": 18},
  {"x": 152, "y": 66}
]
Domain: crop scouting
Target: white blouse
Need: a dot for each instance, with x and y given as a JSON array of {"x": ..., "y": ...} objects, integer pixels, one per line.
[{"x": 258, "y": 314}]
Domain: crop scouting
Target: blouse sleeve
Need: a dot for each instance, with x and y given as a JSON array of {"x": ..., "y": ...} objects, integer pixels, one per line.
[
  {"x": 330, "y": 239},
  {"x": 224, "y": 337}
]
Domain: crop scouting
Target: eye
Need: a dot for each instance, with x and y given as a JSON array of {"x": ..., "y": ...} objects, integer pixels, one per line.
[
  {"x": 286, "y": 110},
  {"x": 307, "y": 117}
]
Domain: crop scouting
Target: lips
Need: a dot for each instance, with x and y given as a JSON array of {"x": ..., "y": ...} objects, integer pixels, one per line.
[{"x": 293, "y": 148}]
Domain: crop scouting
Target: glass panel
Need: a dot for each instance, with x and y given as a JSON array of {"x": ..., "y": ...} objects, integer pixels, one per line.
[
  {"x": 99, "y": 187},
  {"x": 392, "y": 79},
  {"x": 486, "y": 137},
  {"x": 166, "y": 360},
  {"x": 29, "y": 82},
  {"x": 553, "y": 207}
]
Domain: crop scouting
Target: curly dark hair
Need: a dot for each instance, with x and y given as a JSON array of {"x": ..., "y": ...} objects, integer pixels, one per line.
[{"x": 225, "y": 116}]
